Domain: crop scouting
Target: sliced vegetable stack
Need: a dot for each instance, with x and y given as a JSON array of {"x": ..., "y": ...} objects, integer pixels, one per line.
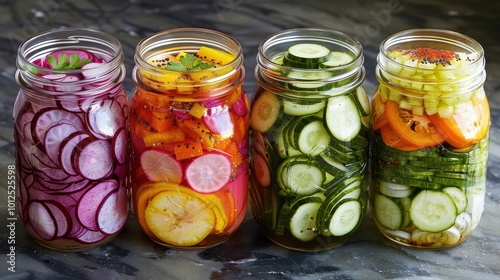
[
  {"x": 309, "y": 155},
  {"x": 190, "y": 171},
  {"x": 72, "y": 149},
  {"x": 430, "y": 147}
]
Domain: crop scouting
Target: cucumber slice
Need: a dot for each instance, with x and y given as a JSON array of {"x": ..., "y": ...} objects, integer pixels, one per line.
[
  {"x": 342, "y": 118},
  {"x": 337, "y": 59},
  {"x": 302, "y": 178},
  {"x": 346, "y": 217},
  {"x": 362, "y": 102},
  {"x": 303, "y": 222},
  {"x": 265, "y": 111},
  {"x": 309, "y": 80},
  {"x": 307, "y": 52},
  {"x": 312, "y": 139},
  {"x": 458, "y": 196},
  {"x": 433, "y": 211},
  {"x": 310, "y": 178},
  {"x": 387, "y": 212},
  {"x": 293, "y": 108},
  {"x": 395, "y": 190}
]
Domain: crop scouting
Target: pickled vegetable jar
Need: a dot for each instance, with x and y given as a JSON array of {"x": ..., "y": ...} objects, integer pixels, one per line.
[
  {"x": 310, "y": 122},
  {"x": 430, "y": 138},
  {"x": 189, "y": 132},
  {"x": 70, "y": 128}
]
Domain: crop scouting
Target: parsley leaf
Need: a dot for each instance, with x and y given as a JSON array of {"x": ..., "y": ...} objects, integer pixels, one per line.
[
  {"x": 188, "y": 62},
  {"x": 62, "y": 63}
]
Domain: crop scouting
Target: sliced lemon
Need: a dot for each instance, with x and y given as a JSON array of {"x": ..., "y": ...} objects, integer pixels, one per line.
[{"x": 179, "y": 219}]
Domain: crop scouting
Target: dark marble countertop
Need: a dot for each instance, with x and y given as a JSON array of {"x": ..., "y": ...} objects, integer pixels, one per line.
[{"x": 249, "y": 255}]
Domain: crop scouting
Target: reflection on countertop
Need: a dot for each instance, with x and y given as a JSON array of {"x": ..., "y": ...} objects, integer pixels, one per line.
[{"x": 249, "y": 255}]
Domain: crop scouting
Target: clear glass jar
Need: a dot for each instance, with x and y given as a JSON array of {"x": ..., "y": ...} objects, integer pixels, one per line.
[
  {"x": 189, "y": 132},
  {"x": 429, "y": 144},
  {"x": 71, "y": 138},
  {"x": 309, "y": 122}
]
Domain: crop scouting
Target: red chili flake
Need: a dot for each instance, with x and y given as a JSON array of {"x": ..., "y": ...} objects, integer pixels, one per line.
[{"x": 434, "y": 56}]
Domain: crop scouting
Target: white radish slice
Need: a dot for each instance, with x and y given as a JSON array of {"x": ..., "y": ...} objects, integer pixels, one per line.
[
  {"x": 91, "y": 236},
  {"x": 209, "y": 173},
  {"x": 219, "y": 121},
  {"x": 54, "y": 77},
  {"x": 119, "y": 145},
  {"x": 54, "y": 137},
  {"x": 48, "y": 117},
  {"x": 42, "y": 221},
  {"x": 94, "y": 70},
  {"x": 89, "y": 203},
  {"x": 160, "y": 166},
  {"x": 61, "y": 218},
  {"x": 93, "y": 158},
  {"x": 113, "y": 212},
  {"x": 69, "y": 84},
  {"x": 106, "y": 119},
  {"x": 66, "y": 151}
]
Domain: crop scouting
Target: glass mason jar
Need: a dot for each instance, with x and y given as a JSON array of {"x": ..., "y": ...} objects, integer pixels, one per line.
[
  {"x": 430, "y": 138},
  {"x": 189, "y": 132},
  {"x": 310, "y": 121},
  {"x": 70, "y": 120}
]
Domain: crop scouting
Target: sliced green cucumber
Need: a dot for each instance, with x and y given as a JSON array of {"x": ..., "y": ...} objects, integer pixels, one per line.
[
  {"x": 301, "y": 108},
  {"x": 266, "y": 110},
  {"x": 297, "y": 176},
  {"x": 342, "y": 118},
  {"x": 346, "y": 216},
  {"x": 433, "y": 211},
  {"x": 337, "y": 59},
  {"x": 312, "y": 139},
  {"x": 387, "y": 212},
  {"x": 458, "y": 196},
  {"x": 303, "y": 222},
  {"x": 362, "y": 102},
  {"x": 306, "y": 55},
  {"x": 309, "y": 80},
  {"x": 395, "y": 190}
]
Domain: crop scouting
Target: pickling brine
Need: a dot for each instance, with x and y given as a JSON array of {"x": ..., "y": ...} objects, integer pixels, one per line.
[
  {"x": 430, "y": 127},
  {"x": 70, "y": 128},
  {"x": 310, "y": 120},
  {"x": 189, "y": 133}
]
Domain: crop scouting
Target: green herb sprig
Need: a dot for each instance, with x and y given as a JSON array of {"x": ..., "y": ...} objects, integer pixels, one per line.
[
  {"x": 63, "y": 63},
  {"x": 188, "y": 62}
]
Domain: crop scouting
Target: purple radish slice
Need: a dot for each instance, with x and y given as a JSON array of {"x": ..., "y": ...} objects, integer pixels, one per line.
[
  {"x": 89, "y": 203},
  {"x": 42, "y": 221},
  {"x": 208, "y": 173},
  {"x": 93, "y": 158},
  {"x": 23, "y": 120},
  {"x": 210, "y": 103},
  {"x": 42, "y": 63},
  {"x": 113, "y": 212},
  {"x": 160, "y": 166},
  {"x": 91, "y": 236},
  {"x": 94, "y": 70},
  {"x": 48, "y": 117},
  {"x": 119, "y": 145},
  {"x": 219, "y": 121},
  {"x": 106, "y": 119},
  {"x": 182, "y": 114},
  {"x": 239, "y": 107},
  {"x": 69, "y": 84},
  {"x": 67, "y": 148},
  {"x": 54, "y": 137},
  {"x": 87, "y": 103},
  {"x": 54, "y": 77},
  {"x": 69, "y": 103},
  {"x": 61, "y": 217},
  {"x": 77, "y": 229}
]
